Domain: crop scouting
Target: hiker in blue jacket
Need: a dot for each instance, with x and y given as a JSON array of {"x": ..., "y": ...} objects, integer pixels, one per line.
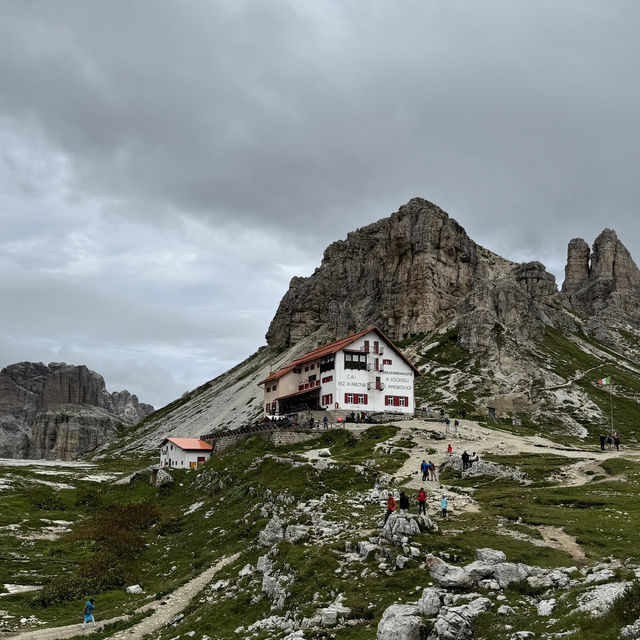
[
  {"x": 444, "y": 503},
  {"x": 88, "y": 613},
  {"x": 424, "y": 467}
]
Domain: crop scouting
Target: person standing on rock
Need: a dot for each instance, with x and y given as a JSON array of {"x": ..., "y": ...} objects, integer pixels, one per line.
[
  {"x": 88, "y": 613},
  {"x": 422, "y": 501},
  {"x": 465, "y": 460},
  {"x": 404, "y": 503},
  {"x": 444, "y": 503},
  {"x": 391, "y": 507},
  {"x": 432, "y": 471},
  {"x": 424, "y": 467}
]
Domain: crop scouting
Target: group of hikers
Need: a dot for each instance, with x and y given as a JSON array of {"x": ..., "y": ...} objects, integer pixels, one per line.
[
  {"x": 610, "y": 441},
  {"x": 403, "y": 504}
]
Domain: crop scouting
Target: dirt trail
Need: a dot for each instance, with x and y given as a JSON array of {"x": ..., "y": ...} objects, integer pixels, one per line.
[
  {"x": 484, "y": 440},
  {"x": 164, "y": 611}
]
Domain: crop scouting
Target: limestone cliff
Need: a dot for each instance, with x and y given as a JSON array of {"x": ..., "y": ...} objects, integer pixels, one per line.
[{"x": 60, "y": 410}]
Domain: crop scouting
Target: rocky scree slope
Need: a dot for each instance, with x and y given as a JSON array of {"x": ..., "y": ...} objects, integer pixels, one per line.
[
  {"x": 486, "y": 331},
  {"x": 60, "y": 411}
]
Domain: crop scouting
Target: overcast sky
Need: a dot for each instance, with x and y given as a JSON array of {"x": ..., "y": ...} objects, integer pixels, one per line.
[{"x": 166, "y": 167}]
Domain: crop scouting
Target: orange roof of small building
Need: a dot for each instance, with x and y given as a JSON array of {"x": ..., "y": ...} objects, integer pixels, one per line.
[
  {"x": 331, "y": 348},
  {"x": 190, "y": 443}
]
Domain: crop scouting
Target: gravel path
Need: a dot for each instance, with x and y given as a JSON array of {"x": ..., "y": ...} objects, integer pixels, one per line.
[{"x": 164, "y": 611}]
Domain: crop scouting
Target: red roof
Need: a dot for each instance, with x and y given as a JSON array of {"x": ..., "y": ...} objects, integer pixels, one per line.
[
  {"x": 331, "y": 348},
  {"x": 190, "y": 444}
]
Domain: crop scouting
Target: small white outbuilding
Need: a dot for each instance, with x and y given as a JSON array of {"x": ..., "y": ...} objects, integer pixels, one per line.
[{"x": 184, "y": 453}]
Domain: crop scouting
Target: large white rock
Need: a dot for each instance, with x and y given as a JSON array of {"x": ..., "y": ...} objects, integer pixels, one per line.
[
  {"x": 400, "y": 622},
  {"x": 479, "y": 570},
  {"x": 295, "y": 532},
  {"x": 163, "y": 477},
  {"x": 134, "y": 588},
  {"x": 429, "y": 603},
  {"x": 598, "y": 600},
  {"x": 631, "y": 631},
  {"x": 507, "y": 572},
  {"x": 454, "y": 623},
  {"x": 490, "y": 556},
  {"x": 545, "y": 607},
  {"x": 399, "y": 527},
  {"x": 272, "y": 533},
  {"x": 447, "y": 575}
]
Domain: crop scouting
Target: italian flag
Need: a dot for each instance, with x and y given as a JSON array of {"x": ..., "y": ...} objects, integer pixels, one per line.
[{"x": 605, "y": 381}]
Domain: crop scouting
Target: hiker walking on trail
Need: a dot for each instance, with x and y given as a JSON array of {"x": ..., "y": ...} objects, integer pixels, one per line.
[
  {"x": 88, "y": 613},
  {"x": 444, "y": 503},
  {"x": 391, "y": 507},
  {"x": 424, "y": 467},
  {"x": 449, "y": 449},
  {"x": 325, "y": 422},
  {"x": 404, "y": 503},
  {"x": 602, "y": 440},
  {"x": 465, "y": 460},
  {"x": 422, "y": 501},
  {"x": 616, "y": 441},
  {"x": 456, "y": 424},
  {"x": 432, "y": 471},
  {"x": 609, "y": 442}
]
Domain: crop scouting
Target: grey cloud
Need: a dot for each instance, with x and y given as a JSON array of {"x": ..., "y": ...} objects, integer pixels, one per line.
[{"x": 165, "y": 168}]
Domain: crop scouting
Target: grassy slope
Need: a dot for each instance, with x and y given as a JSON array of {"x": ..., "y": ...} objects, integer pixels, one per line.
[{"x": 234, "y": 487}]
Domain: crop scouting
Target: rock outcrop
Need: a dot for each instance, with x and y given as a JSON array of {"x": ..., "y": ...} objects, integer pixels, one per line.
[
  {"x": 409, "y": 272},
  {"x": 607, "y": 279},
  {"x": 60, "y": 410}
]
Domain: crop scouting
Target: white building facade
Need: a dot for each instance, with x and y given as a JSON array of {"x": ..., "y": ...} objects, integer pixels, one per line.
[
  {"x": 364, "y": 372},
  {"x": 184, "y": 453}
]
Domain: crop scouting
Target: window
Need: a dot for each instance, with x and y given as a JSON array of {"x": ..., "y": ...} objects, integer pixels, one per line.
[
  {"x": 402, "y": 401},
  {"x": 297, "y": 370},
  {"x": 275, "y": 386},
  {"x": 312, "y": 378},
  {"x": 387, "y": 361},
  {"x": 348, "y": 398},
  {"x": 355, "y": 361},
  {"x": 327, "y": 379},
  {"x": 376, "y": 346},
  {"x": 312, "y": 367},
  {"x": 396, "y": 401},
  {"x": 328, "y": 363},
  {"x": 306, "y": 368},
  {"x": 388, "y": 400},
  {"x": 366, "y": 346},
  {"x": 362, "y": 398},
  {"x": 327, "y": 399}
]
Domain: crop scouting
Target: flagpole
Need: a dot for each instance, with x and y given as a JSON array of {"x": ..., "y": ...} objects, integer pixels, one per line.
[{"x": 611, "y": 397}]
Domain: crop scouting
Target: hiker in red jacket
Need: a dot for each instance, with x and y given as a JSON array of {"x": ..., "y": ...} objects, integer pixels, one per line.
[
  {"x": 391, "y": 507},
  {"x": 449, "y": 449},
  {"x": 422, "y": 502}
]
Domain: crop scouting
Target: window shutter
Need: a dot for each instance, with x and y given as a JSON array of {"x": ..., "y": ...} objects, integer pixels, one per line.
[
  {"x": 366, "y": 398},
  {"x": 396, "y": 401},
  {"x": 406, "y": 401},
  {"x": 345, "y": 398}
]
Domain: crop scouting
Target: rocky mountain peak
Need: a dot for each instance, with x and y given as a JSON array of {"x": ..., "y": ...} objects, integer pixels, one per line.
[
  {"x": 604, "y": 279},
  {"x": 400, "y": 273},
  {"x": 60, "y": 410}
]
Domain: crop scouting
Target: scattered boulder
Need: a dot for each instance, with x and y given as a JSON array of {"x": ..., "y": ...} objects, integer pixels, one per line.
[
  {"x": 430, "y": 602},
  {"x": 454, "y": 623},
  {"x": 598, "y": 601},
  {"x": 507, "y": 572},
  {"x": 447, "y": 575},
  {"x": 490, "y": 556},
  {"x": 400, "y": 622},
  {"x": 272, "y": 533},
  {"x": 163, "y": 478},
  {"x": 134, "y": 588}
]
